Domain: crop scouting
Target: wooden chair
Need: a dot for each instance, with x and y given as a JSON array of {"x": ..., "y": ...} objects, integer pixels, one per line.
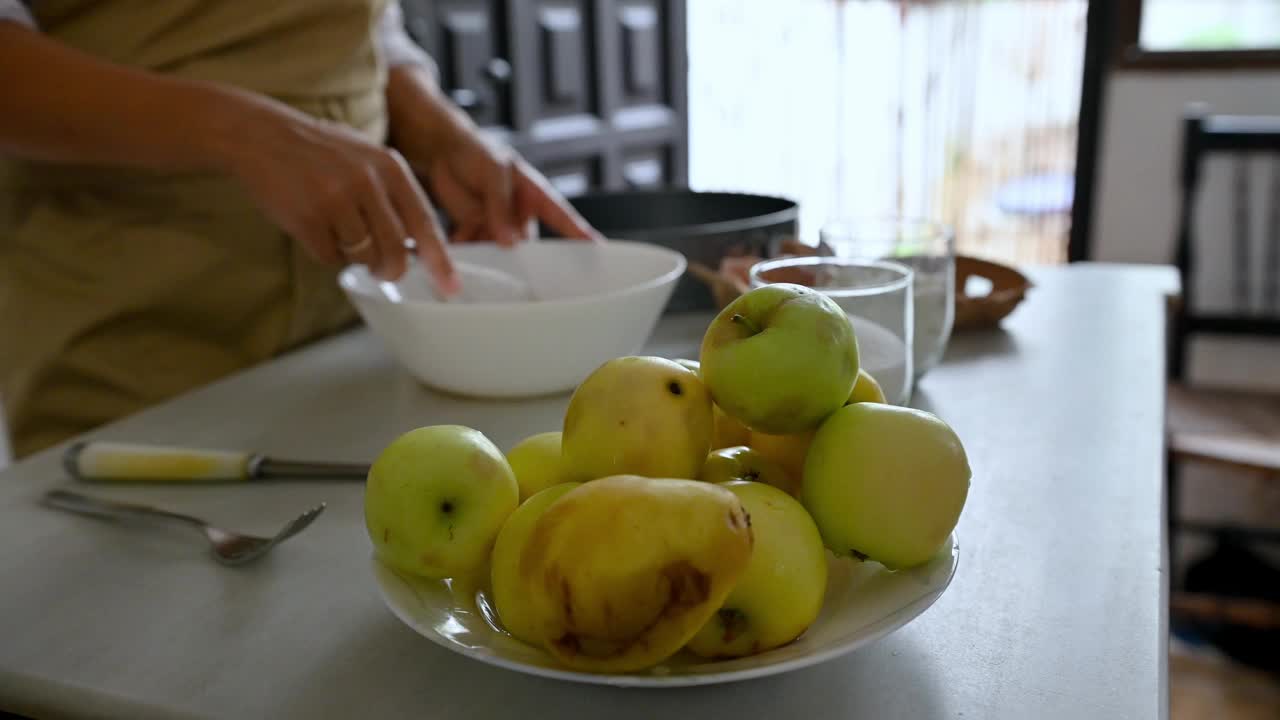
[{"x": 1234, "y": 429}]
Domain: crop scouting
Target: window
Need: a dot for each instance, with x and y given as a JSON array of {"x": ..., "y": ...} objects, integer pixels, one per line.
[
  {"x": 1195, "y": 34},
  {"x": 956, "y": 110}
]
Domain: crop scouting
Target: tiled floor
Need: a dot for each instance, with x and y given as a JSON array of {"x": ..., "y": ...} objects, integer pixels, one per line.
[{"x": 1205, "y": 686}]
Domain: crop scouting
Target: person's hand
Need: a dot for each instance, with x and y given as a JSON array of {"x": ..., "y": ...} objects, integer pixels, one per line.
[
  {"x": 491, "y": 193},
  {"x": 488, "y": 191},
  {"x": 342, "y": 197}
]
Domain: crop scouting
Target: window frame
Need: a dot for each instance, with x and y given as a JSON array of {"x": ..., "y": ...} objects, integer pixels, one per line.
[{"x": 1128, "y": 52}]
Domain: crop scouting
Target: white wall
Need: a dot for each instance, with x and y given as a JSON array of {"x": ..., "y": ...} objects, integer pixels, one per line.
[
  {"x": 1135, "y": 211},
  {"x": 1135, "y": 206}
]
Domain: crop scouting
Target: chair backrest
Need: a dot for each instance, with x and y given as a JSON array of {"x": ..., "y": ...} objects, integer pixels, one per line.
[{"x": 1206, "y": 135}]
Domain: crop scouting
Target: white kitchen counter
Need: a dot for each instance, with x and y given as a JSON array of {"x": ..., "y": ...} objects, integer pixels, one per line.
[{"x": 1057, "y": 611}]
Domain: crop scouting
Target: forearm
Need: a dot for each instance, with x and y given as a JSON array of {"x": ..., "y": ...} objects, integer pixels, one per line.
[
  {"x": 60, "y": 105},
  {"x": 421, "y": 119}
]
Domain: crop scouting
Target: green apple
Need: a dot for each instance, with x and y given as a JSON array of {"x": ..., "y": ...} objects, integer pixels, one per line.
[
  {"x": 743, "y": 463},
  {"x": 638, "y": 416},
  {"x": 866, "y": 389},
  {"x": 781, "y": 593},
  {"x": 537, "y": 464},
  {"x": 885, "y": 483},
  {"x": 509, "y": 595},
  {"x": 727, "y": 431},
  {"x": 435, "y": 500},
  {"x": 780, "y": 358}
]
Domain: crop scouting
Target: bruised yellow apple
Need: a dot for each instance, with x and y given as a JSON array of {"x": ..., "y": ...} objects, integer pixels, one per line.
[
  {"x": 885, "y": 483},
  {"x": 537, "y": 463},
  {"x": 787, "y": 451},
  {"x": 781, "y": 593},
  {"x": 866, "y": 389},
  {"x": 436, "y": 498},
  {"x": 743, "y": 463},
  {"x": 622, "y": 571},
  {"x": 638, "y": 416},
  {"x": 510, "y": 598},
  {"x": 780, "y": 358}
]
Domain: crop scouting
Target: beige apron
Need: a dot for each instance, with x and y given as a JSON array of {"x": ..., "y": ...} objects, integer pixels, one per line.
[{"x": 119, "y": 288}]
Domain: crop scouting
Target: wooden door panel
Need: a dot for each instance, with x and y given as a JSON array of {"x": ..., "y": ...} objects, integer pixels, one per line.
[
  {"x": 555, "y": 82},
  {"x": 595, "y": 90},
  {"x": 467, "y": 40},
  {"x": 647, "y": 168},
  {"x": 563, "y": 42},
  {"x": 639, "y": 28},
  {"x": 574, "y": 176},
  {"x": 641, "y": 50}
]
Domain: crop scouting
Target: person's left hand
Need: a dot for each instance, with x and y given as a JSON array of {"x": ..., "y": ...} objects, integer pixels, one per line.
[
  {"x": 491, "y": 193},
  {"x": 486, "y": 189}
]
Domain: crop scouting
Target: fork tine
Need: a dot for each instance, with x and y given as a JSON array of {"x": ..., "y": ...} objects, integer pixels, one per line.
[
  {"x": 300, "y": 523},
  {"x": 259, "y": 546}
]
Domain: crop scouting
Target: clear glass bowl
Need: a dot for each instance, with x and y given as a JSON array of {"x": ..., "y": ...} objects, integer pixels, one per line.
[{"x": 928, "y": 248}]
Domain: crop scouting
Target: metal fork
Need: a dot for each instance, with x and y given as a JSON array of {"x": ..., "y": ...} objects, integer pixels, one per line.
[{"x": 229, "y": 548}]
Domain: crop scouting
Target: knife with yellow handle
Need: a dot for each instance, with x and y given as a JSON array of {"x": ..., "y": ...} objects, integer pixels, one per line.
[{"x": 98, "y": 461}]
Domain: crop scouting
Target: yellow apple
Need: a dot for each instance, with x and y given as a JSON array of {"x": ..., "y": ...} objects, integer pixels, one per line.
[
  {"x": 638, "y": 416},
  {"x": 780, "y": 358},
  {"x": 509, "y": 596},
  {"x": 623, "y": 570},
  {"x": 787, "y": 451},
  {"x": 885, "y": 483},
  {"x": 743, "y": 463},
  {"x": 436, "y": 498},
  {"x": 781, "y": 593},
  {"x": 537, "y": 464},
  {"x": 866, "y": 389},
  {"x": 726, "y": 430}
]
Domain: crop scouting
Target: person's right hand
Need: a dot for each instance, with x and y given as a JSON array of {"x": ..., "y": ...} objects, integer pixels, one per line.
[
  {"x": 344, "y": 198},
  {"x": 322, "y": 184}
]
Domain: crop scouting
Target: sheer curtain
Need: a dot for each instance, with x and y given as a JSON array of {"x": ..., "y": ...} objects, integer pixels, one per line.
[{"x": 954, "y": 109}]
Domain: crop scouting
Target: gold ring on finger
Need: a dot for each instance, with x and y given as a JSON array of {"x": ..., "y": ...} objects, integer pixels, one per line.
[{"x": 350, "y": 249}]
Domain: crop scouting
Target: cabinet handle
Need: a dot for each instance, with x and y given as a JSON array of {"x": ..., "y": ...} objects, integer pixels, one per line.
[
  {"x": 466, "y": 98},
  {"x": 498, "y": 71}
]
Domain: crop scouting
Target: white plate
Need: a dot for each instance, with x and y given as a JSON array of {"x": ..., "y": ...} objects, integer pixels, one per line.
[{"x": 864, "y": 602}]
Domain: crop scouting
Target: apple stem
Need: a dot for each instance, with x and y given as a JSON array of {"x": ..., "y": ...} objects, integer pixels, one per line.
[{"x": 747, "y": 323}]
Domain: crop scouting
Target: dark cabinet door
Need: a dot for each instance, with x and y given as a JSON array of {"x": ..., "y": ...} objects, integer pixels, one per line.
[
  {"x": 642, "y": 53},
  {"x": 555, "y": 89},
  {"x": 468, "y": 41},
  {"x": 592, "y": 92}
]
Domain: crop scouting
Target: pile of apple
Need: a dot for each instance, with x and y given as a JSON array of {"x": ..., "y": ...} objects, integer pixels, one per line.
[{"x": 682, "y": 506}]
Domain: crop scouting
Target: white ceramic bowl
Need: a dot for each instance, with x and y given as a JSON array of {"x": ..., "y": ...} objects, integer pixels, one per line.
[{"x": 589, "y": 303}]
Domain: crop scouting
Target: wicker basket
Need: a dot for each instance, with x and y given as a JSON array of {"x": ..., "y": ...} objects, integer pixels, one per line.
[{"x": 1008, "y": 288}]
